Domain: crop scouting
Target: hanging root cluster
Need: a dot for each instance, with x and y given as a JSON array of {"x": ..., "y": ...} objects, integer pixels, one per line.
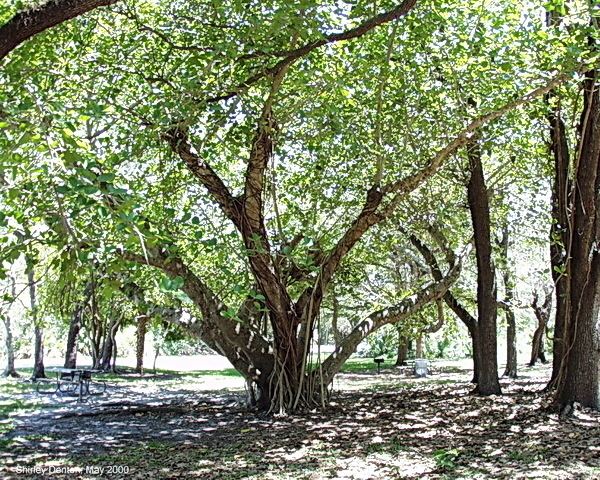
[{"x": 289, "y": 393}]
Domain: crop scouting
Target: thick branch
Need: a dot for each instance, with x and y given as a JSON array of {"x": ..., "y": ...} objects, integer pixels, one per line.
[
  {"x": 260, "y": 153},
  {"x": 178, "y": 140},
  {"x": 28, "y": 23},
  {"x": 234, "y": 340},
  {"x": 203, "y": 296}
]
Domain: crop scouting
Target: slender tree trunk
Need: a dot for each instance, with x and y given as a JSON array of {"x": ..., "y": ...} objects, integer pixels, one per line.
[
  {"x": 419, "y": 349},
  {"x": 402, "y": 350},
  {"x": 38, "y": 358},
  {"x": 511, "y": 324},
  {"x": 473, "y": 332},
  {"x": 542, "y": 351},
  {"x": 542, "y": 314},
  {"x": 140, "y": 341},
  {"x": 488, "y": 383},
  {"x": 114, "y": 352},
  {"x": 9, "y": 370},
  {"x": 337, "y": 336},
  {"x": 511, "y": 345}
]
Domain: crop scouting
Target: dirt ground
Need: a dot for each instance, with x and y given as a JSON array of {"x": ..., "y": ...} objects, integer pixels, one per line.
[{"x": 382, "y": 426}]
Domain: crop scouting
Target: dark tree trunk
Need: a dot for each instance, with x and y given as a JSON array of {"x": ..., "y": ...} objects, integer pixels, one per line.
[
  {"x": 542, "y": 355},
  {"x": 109, "y": 346},
  {"x": 560, "y": 228},
  {"x": 114, "y": 354},
  {"x": 511, "y": 345},
  {"x": 96, "y": 335},
  {"x": 402, "y": 350},
  {"x": 140, "y": 342},
  {"x": 559, "y": 235},
  {"x": 74, "y": 329},
  {"x": 488, "y": 383},
  {"x": 476, "y": 354},
  {"x": 72, "y": 336},
  {"x": 542, "y": 314},
  {"x": 38, "y": 357},
  {"x": 511, "y": 324},
  {"x": 579, "y": 376}
]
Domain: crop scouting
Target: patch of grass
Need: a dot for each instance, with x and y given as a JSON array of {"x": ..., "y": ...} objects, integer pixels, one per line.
[
  {"x": 10, "y": 406},
  {"x": 365, "y": 365},
  {"x": 520, "y": 456},
  {"x": 15, "y": 385},
  {"x": 446, "y": 459}
]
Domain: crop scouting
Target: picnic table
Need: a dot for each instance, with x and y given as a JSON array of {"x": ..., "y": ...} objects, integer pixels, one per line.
[{"x": 76, "y": 380}]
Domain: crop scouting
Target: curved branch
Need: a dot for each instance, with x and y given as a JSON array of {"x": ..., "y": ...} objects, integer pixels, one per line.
[
  {"x": 394, "y": 314},
  {"x": 28, "y": 23},
  {"x": 460, "y": 311}
]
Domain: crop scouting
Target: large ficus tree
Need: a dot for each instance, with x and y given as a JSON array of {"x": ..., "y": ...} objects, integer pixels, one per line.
[{"x": 245, "y": 149}]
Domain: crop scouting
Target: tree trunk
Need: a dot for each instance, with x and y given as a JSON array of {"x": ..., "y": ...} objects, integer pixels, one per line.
[
  {"x": 560, "y": 227},
  {"x": 114, "y": 353},
  {"x": 9, "y": 370},
  {"x": 337, "y": 335},
  {"x": 75, "y": 327},
  {"x": 542, "y": 314},
  {"x": 109, "y": 346},
  {"x": 488, "y": 383},
  {"x": 542, "y": 351},
  {"x": 579, "y": 375},
  {"x": 73, "y": 335},
  {"x": 511, "y": 345},
  {"x": 511, "y": 324},
  {"x": 476, "y": 354},
  {"x": 402, "y": 350},
  {"x": 139, "y": 344},
  {"x": 459, "y": 310},
  {"x": 38, "y": 357},
  {"x": 419, "y": 349}
]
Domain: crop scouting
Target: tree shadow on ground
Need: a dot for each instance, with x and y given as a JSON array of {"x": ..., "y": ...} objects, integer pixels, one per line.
[{"x": 422, "y": 430}]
